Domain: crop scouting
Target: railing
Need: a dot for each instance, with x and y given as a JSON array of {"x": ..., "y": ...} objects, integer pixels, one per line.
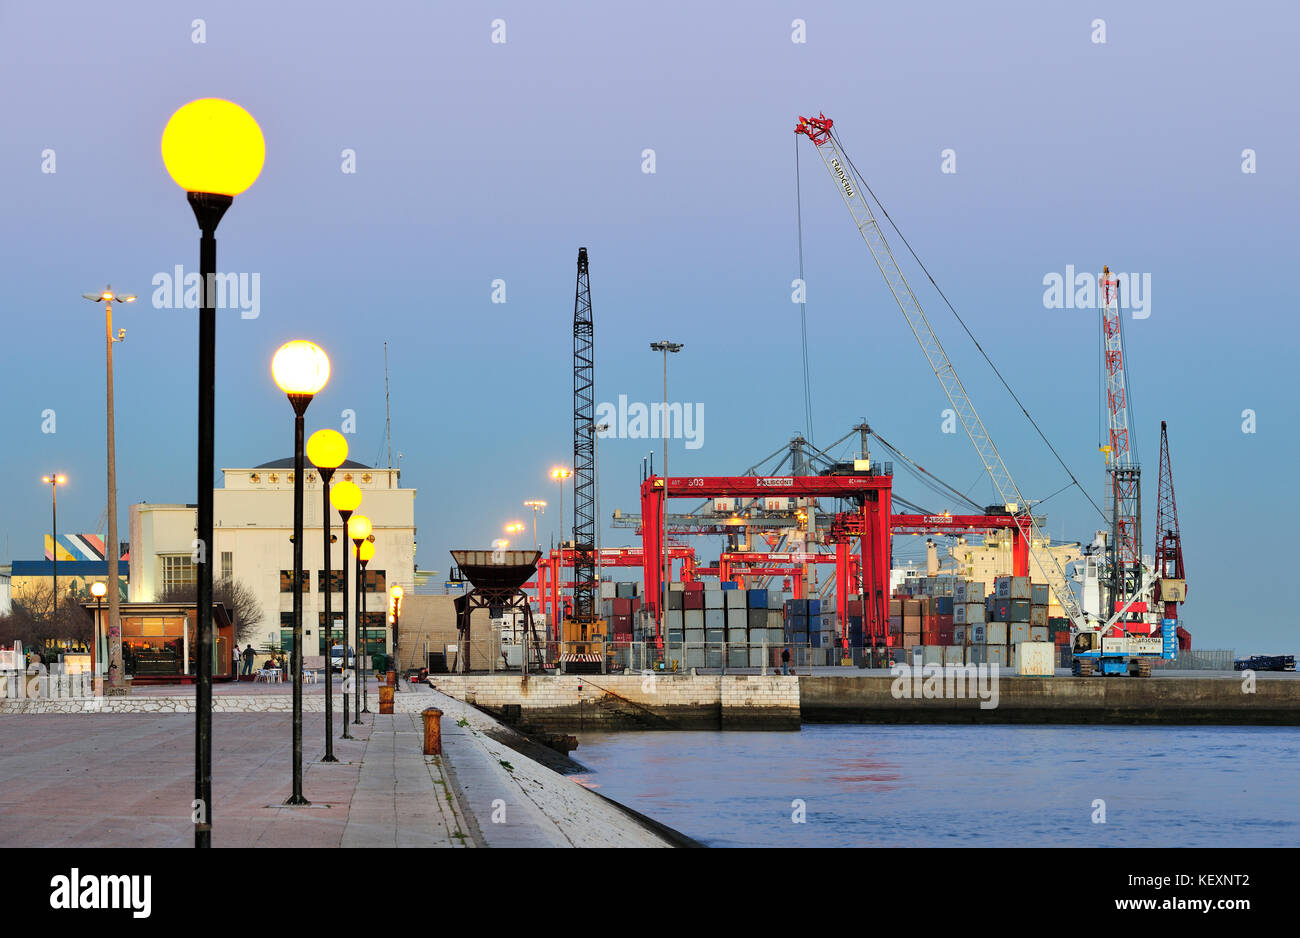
[{"x": 1200, "y": 659}]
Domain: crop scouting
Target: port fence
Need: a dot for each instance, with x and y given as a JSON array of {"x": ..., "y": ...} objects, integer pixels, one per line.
[
  {"x": 504, "y": 656},
  {"x": 1200, "y": 659}
]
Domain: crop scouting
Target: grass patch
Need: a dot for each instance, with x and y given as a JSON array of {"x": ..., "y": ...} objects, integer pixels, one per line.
[{"x": 506, "y": 765}]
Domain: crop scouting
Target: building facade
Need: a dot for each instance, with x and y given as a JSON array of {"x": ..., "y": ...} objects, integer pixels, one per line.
[{"x": 252, "y": 534}]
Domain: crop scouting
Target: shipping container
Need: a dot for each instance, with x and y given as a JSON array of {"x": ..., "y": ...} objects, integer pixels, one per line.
[
  {"x": 954, "y": 654},
  {"x": 1039, "y": 594},
  {"x": 1038, "y": 615},
  {"x": 713, "y": 599},
  {"x": 959, "y": 635},
  {"x": 1001, "y": 610},
  {"x": 715, "y": 618},
  {"x": 932, "y": 654},
  {"x": 977, "y": 633},
  {"x": 692, "y": 599},
  {"x": 1020, "y": 610},
  {"x": 693, "y": 618},
  {"x": 975, "y": 612},
  {"x": 1019, "y": 632},
  {"x": 1038, "y": 633},
  {"x": 999, "y": 655},
  {"x": 995, "y": 633},
  {"x": 942, "y": 605},
  {"x": 1036, "y": 659},
  {"x": 735, "y": 598},
  {"x": 675, "y": 601},
  {"x": 757, "y": 599},
  {"x": 739, "y": 636}
]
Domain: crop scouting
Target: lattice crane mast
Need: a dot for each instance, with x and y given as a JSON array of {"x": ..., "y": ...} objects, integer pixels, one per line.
[
  {"x": 1171, "y": 586},
  {"x": 1125, "y": 474},
  {"x": 818, "y": 130},
  {"x": 584, "y": 459}
]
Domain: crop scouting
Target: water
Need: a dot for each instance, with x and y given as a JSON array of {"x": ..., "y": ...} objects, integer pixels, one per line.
[{"x": 928, "y": 786}]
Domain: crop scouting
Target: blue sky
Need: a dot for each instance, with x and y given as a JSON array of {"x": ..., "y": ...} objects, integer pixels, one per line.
[{"x": 478, "y": 160}]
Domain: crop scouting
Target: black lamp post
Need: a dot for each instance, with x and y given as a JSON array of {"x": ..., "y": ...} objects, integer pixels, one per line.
[
  {"x": 54, "y": 480},
  {"x": 301, "y": 369},
  {"x": 358, "y": 531},
  {"x": 327, "y": 449},
  {"x": 214, "y": 150},
  {"x": 365, "y": 551},
  {"x": 345, "y": 497}
]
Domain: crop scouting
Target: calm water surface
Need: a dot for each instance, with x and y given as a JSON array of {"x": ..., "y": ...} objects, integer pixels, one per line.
[{"x": 960, "y": 785}]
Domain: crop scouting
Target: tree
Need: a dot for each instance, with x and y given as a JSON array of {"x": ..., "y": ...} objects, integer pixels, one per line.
[
  {"x": 33, "y": 622},
  {"x": 240, "y": 601}
]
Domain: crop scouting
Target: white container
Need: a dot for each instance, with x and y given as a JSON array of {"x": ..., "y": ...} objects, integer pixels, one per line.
[
  {"x": 975, "y": 612},
  {"x": 932, "y": 654},
  {"x": 1019, "y": 632},
  {"x": 996, "y": 633},
  {"x": 975, "y": 591},
  {"x": 954, "y": 654},
  {"x": 1035, "y": 659}
]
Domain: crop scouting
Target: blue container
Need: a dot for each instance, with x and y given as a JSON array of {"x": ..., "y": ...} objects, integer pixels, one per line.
[
  {"x": 730, "y": 585},
  {"x": 943, "y": 605},
  {"x": 757, "y": 599},
  {"x": 814, "y": 607}
]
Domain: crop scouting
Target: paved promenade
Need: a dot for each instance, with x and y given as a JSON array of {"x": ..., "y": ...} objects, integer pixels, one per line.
[{"x": 115, "y": 779}]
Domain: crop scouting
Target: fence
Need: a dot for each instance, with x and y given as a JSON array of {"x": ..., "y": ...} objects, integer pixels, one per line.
[
  {"x": 614, "y": 657},
  {"x": 1200, "y": 659}
]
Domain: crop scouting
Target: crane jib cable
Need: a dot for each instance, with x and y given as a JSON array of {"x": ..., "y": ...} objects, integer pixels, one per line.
[{"x": 967, "y": 330}]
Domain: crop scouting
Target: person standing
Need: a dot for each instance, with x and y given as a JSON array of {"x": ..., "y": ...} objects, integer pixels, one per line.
[
  {"x": 785, "y": 661},
  {"x": 234, "y": 662},
  {"x": 248, "y": 659}
]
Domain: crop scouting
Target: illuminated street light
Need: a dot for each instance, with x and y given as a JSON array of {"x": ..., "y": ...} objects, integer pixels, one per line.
[
  {"x": 214, "y": 150},
  {"x": 301, "y": 369},
  {"x": 327, "y": 449}
]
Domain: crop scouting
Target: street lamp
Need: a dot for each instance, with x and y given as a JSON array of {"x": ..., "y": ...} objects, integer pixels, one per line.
[
  {"x": 395, "y": 594},
  {"x": 327, "y": 449},
  {"x": 515, "y": 527},
  {"x": 358, "y": 528},
  {"x": 535, "y": 504},
  {"x": 214, "y": 150},
  {"x": 54, "y": 480},
  {"x": 364, "y": 555},
  {"x": 301, "y": 369},
  {"x": 116, "y": 677},
  {"x": 345, "y": 497},
  {"x": 98, "y": 590},
  {"x": 662, "y": 600},
  {"x": 559, "y": 474}
]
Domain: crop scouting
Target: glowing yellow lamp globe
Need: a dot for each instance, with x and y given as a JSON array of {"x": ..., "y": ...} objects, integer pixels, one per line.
[
  {"x": 346, "y": 496},
  {"x": 327, "y": 449},
  {"x": 300, "y": 367},
  {"x": 358, "y": 527},
  {"x": 367, "y": 551},
  {"x": 98, "y": 590},
  {"x": 396, "y": 592},
  {"x": 213, "y": 145}
]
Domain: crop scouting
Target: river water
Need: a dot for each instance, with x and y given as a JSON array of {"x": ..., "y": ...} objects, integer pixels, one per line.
[{"x": 860, "y": 786}]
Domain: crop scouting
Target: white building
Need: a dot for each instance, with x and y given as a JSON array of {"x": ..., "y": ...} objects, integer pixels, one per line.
[{"x": 252, "y": 531}]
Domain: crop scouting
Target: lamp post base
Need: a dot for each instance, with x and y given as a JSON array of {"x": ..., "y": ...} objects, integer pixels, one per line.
[
  {"x": 329, "y": 759},
  {"x": 297, "y": 801}
]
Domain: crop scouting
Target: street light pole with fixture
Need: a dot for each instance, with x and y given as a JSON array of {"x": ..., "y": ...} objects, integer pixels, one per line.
[
  {"x": 116, "y": 686},
  {"x": 214, "y": 150},
  {"x": 300, "y": 369},
  {"x": 534, "y": 504},
  {"x": 54, "y": 480},
  {"x": 327, "y": 449}
]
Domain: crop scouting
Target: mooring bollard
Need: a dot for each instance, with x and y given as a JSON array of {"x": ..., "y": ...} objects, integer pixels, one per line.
[
  {"x": 386, "y": 699},
  {"x": 432, "y": 732}
]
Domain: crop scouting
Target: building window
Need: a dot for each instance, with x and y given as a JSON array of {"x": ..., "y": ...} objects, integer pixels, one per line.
[
  {"x": 375, "y": 581},
  {"x": 177, "y": 571},
  {"x": 286, "y": 581},
  {"x": 227, "y": 564},
  {"x": 336, "y": 580}
]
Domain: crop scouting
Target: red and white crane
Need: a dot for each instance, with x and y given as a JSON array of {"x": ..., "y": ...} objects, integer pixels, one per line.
[{"x": 853, "y": 191}]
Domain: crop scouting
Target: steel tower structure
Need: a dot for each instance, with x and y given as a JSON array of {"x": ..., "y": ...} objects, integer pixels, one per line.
[
  {"x": 1125, "y": 474},
  {"x": 1169, "y": 542},
  {"x": 584, "y": 450}
]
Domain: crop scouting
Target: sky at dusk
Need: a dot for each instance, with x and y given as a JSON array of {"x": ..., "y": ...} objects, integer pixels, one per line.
[{"x": 479, "y": 161}]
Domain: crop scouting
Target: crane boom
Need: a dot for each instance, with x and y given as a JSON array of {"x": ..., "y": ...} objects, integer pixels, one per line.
[{"x": 818, "y": 130}]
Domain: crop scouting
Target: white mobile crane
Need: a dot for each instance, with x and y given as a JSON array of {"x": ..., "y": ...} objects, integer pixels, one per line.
[{"x": 854, "y": 192}]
